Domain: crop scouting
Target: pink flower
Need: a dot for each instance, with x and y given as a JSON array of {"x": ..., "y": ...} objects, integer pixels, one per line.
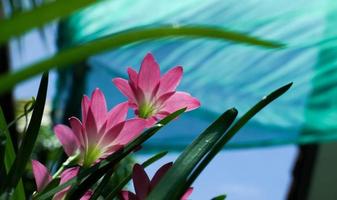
[
  {"x": 43, "y": 178},
  {"x": 153, "y": 96},
  {"x": 143, "y": 185},
  {"x": 101, "y": 132}
]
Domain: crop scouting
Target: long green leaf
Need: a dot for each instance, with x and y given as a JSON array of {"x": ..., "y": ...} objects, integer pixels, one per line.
[
  {"x": 9, "y": 156},
  {"x": 30, "y": 137},
  {"x": 185, "y": 163},
  {"x": 102, "y": 167},
  {"x": 22, "y": 22},
  {"x": 233, "y": 130},
  {"x": 125, "y": 180},
  {"x": 113, "y": 41}
]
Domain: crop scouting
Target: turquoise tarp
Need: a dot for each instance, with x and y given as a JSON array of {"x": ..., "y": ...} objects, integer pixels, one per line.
[{"x": 224, "y": 74}]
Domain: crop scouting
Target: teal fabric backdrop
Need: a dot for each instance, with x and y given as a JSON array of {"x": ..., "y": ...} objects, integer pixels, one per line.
[{"x": 223, "y": 74}]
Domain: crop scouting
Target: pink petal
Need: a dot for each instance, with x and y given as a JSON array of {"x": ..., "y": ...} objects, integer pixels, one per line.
[
  {"x": 170, "y": 80},
  {"x": 91, "y": 130},
  {"x": 77, "y": 128},
  {"x": 98, "y": 107},
  {"x": 125, "y": 88},
  {"x": 141, "y": 181},
  {"x": 66, "y": 176},
  {"x": 149, "y": 74},
  {"x": 85, "y": 107},
  {"x": 187, "y": 194},
  {"x": 41, "y": 175},
  {"x": 133, "y": 76},
  {"x": 164, "y": 97},
  {"x": 160, "y": 173},
  {"x": 67, "y": 138},
  {"x": 131, "y": 130},
  {"x": 150, "y": 122},
  {"x": 117, "y": 114},
  {"x": 110, "y": 136},
  {"x": 126, "y": 195},
  {"x": 87, "y": 195},
  {"x": 180, "y": 100}
]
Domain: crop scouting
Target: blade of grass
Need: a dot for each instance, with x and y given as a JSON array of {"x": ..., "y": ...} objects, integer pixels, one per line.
[
  {"x": 113, "y": 41},
  {"x": 30, "y": 137},
  {"x": 9, "y": 156},
  {"x": 102, "y": 167},
  {"x": 125, "y": 180},
  {"x": 185, "y": 163},
  {"x": 233, "y": 130},
  {"x": 22, "y": 22}
]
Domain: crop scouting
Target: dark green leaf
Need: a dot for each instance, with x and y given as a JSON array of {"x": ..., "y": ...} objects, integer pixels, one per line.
[
  {"x": 113, "y": 41},
  {"x": 22, "y": 22},
  {"x": 173, "y": 180},
  {"x": 95, "y": 172},
  {"x": 235, "y": 128},
  {"x": 116, "y": 189},
  {"x": 9, "y": 156},
  {"x": 30, "y": 136},
  {"x": 221, "y": 197}
]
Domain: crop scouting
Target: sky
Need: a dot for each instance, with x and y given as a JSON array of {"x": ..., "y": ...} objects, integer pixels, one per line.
[{"x": 254, "y": 174}]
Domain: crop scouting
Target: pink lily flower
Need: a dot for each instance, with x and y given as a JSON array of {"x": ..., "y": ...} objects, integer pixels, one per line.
[
  {"x": 43, "y": 178},
  {"x": 143, "y": 185},
  {"x": 153, "y": 96},
  {"x": 101, "y": 132}
]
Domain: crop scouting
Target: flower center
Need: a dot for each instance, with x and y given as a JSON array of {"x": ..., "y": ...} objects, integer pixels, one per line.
[
  {"x": 146, "y": 110},
  {"x": 91, "y": 155}
]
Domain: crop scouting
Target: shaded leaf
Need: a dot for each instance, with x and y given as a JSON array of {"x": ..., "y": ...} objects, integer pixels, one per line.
[
  {"x": 30, "y": 136},
  {"x": 116, "y": 189},
  {"x": 9, "y": 156},
  {"x": 234, "y": 129},
  {"x": 170, "y": 185}
]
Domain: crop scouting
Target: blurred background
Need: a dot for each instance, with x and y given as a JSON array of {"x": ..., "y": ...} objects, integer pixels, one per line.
[{"x": 286, "y": 152}]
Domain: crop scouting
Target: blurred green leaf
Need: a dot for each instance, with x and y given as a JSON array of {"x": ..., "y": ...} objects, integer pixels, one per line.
[
  {"x": 221, "y": 197},
  {"x": 113, "y": 41},
  {"x": 30, "y": 136},
  {"x": 22, "y": 22},
  {"x": 173, "y": 181},
  {"x": 117, "y": 188},
  {"x": 19, "y": 192},
  {"x": 95, "y": 172},
  {"x": 234, "y": 129}
]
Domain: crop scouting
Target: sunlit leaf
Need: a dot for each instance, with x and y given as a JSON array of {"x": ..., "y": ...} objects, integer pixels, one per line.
[
  {"x": 22, "y": 22},
  {"x": 113, "y": 41}
]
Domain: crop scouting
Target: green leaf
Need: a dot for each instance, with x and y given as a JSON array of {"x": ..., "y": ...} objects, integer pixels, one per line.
[
  {"x": 221, "y": 197},
  {"x": 95, "y": 172},
  {"x": 30, "y": 136},
  {"x": 119, "y": 187},
  {"x": 22, "y": 22},
  {"x": 113, "y": 41},
  {"x": 19, "y": 192},
  {"x": 234, "y": 129},
  {"x": 172, "y": 181}
]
